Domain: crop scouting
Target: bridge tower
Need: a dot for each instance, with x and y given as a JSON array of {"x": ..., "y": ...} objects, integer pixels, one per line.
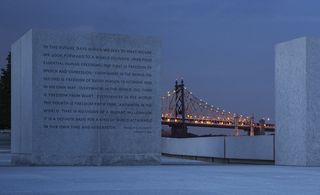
[
  {"x": 236, "y": 126},
  {"x": 262, "y": 123},
  {"x": 251, "y": 132},
  {"x": 179, "y": 129}
]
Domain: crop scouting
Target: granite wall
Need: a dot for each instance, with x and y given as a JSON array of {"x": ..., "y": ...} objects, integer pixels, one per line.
[
  {"x": 297, "y": 98},
  {"x": 85, "y": 99}
]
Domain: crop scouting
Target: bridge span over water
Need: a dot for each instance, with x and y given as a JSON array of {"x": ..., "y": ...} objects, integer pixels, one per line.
[{"x": 181, "y": 108}]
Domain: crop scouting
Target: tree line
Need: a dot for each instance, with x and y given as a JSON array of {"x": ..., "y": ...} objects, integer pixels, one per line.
[{"x": 5, "y": 95}]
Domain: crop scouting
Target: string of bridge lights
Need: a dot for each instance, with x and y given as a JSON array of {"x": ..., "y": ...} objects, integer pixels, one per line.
[{"x": 211, "y": 107}]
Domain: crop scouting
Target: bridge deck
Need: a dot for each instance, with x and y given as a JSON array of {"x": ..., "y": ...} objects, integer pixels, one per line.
[{"x": 215, "y": 124}]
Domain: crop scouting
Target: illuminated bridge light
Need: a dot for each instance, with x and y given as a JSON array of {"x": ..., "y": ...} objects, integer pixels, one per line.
[{"x": 198, "y": 111}]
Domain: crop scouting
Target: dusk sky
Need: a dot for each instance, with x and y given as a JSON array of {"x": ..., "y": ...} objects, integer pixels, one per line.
[{"x": 223, "y": 49}]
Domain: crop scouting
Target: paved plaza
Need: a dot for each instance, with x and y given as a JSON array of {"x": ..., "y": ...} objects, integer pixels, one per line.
[{"x": 175, "y": 176}]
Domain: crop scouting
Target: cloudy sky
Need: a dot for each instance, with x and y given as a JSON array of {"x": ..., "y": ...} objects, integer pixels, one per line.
[{"x": 223, "y": 49}]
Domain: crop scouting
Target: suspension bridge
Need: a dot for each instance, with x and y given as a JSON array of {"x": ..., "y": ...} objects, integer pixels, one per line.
[{"x": 181, "y": 108}]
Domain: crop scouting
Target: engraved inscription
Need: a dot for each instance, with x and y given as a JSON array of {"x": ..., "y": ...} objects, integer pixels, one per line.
[{"x": 96, "y": 88}]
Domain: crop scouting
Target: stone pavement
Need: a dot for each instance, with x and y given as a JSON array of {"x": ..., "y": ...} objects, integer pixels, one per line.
[{"x": 175, "y": 176}]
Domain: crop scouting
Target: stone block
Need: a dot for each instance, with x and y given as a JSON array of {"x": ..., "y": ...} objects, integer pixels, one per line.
[
  {"x": 85, "y": 99},
  {"x": 297, "y": 102}
]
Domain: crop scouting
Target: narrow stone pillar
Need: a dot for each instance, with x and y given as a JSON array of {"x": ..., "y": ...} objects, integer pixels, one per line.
[{"x": 297, "y": 102}]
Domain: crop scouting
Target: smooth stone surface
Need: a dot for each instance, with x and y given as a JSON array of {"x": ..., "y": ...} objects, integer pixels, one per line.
[
  {"x": 85, "y": 99},
  {"x": 199, "y": 146},
  {"x": 187, "y": 179},
  {"x": 297, "y": 102},
  {"x": 250, "y": 147},
  {"x": 229, "y": 147},
  {"x": 5, "y": 160}
]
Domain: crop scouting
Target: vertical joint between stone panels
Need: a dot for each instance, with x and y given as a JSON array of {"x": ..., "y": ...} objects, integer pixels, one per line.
[
  {"x": 224, "y": 147},
  {"x": 20, "y": 96},
  {"x": 32, "y": 90},
  {"x": 307, "y": 99},
  {"x": 274, "y": 147}
]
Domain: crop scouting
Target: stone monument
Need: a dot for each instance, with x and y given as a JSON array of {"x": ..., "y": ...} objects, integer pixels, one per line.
[
  {"x": 297, "y": 99},
  {"x": 85, "y": 99}
]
